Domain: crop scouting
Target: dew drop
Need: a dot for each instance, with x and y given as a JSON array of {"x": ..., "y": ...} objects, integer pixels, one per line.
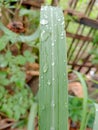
[
  {"x": 66, "y": 105},
  {"x": 42, "y": 34},
  {"x": 41, "y": 77},
  {"x": 49, "y": 83},
  {"x": 43, "y": 22},
  {"x": 62, "y": 35},
  {"x": 52, "y": 128},
  {"x": 64, "y": 61},
  {"x": 43, "y": 107},
  {"x": 63, "y": 23},
  {"x": 59, "y": 19},
  {"x": 42, "y": 9},
  {"x": 54, "y": 40},
  {"x": 53, "y": 104},
  {"x": 53, "y": 44},
  {"x": 96, "y": 109},
  {"x": 53, "y": 63},
  {"x": 45, "y": 68},
  {"x": 53, "y": 79}
]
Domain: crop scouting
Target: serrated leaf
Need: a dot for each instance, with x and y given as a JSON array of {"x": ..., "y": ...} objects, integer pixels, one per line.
[
  {"x": 29, "y": 56},
  {"x": 20, "y": 60},
  {"x": 18, "y": 78},
  {"x": 3, "y": 42},
  {"x": 3, "y": 62}
]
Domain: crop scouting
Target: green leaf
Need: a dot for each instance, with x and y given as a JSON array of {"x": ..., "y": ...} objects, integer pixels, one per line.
[
  {"x": 29, "y": 56},
  {"x": 18, "y": 78},
  {"x": 3, "y": 42},
  {"x": 53, "y": 93},
  {"x": 84, "y": 113},
  {"x": 16, "y": 105},
  {"x": 3, "y": 78},
  {"x": 20, "y": 60},
  {"x": 2, "y": 92},
  {"x": 32, "y": 115},
  {"x": 95, "y": 126},
  {"x": 7, "y": 110},
  {"x": 32, "y": 13},
  {"x": 8, "y": 57},
  {"x": 13, "y": 37},
  {"x": 17, "y": 112},
  {"x": 3, "y": 62}
]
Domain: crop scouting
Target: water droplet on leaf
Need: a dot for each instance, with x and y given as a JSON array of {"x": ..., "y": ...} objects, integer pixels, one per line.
[
  {"x": 53, "y": 44},
  {"x": 52, "y": 128},
  {"x": 49, "y": 83},
  {"x": 43, "y": 107},
  {"x": 41, "y": 77},
  {"x": 43, "y": 22},
  {"x": 53, "y": 63},
  {"x": 45, "y": 68},
  {"x": 59, "y": 19}
]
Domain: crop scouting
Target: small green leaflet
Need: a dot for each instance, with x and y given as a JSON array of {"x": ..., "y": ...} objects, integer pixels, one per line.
[{"x": 3, "y": 42}]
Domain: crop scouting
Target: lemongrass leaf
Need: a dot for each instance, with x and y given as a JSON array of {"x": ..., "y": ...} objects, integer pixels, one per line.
[{"x": 53, "y": 93}]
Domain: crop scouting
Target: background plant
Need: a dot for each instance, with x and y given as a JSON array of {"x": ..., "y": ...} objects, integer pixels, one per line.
[
  {"x": 15, "y": 105},
  {"x": 16, "y": 97}
]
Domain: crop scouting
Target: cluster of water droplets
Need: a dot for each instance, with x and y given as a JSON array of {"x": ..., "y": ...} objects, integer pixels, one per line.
[
  {"x": 44, "y": 21},
  {"x": 62, "y": 23},
  {"x": 66, "y": 105},
  {"x": 62, "y": 35}
]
